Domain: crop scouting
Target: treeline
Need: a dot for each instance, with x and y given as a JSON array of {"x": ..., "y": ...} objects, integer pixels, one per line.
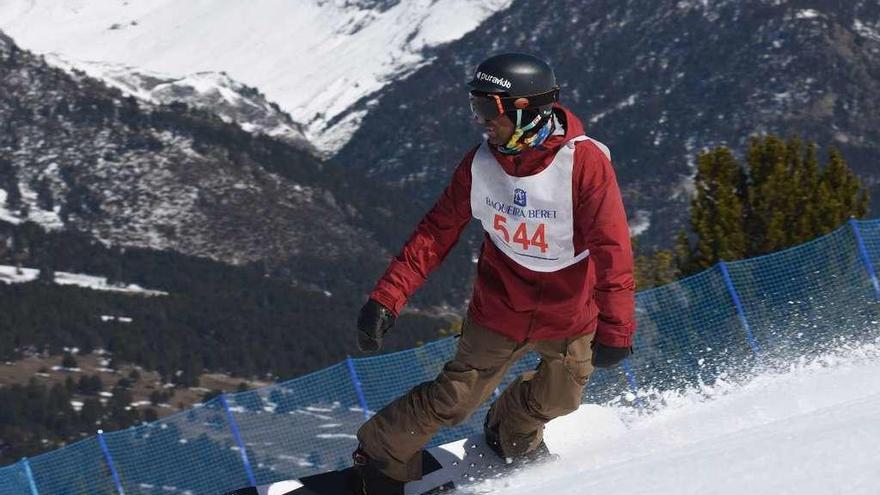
[
  {"x": 216, "y": 317},
  {"x": 36, "y": 418},
  {"x": 781, "y": 196}
]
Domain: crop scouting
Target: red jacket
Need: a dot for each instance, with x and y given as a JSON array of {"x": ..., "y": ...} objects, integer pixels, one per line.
[{"x": 596, "y": 294}]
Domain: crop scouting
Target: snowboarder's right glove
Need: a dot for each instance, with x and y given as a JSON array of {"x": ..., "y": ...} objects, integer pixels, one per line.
[
  {"x": 606, "y": 356},
  {"x": 373, "y": 322}
]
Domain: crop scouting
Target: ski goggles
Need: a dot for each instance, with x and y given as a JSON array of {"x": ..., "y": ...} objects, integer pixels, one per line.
[{"x": 487, "y": 106}]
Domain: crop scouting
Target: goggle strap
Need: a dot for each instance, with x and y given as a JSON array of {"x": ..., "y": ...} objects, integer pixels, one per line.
[
  {"x": 538, "y": 100},
  {"x": 498, "y": 104}
]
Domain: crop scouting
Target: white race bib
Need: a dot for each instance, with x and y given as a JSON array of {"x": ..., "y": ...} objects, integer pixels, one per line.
[{"x": 530, "y": 219}]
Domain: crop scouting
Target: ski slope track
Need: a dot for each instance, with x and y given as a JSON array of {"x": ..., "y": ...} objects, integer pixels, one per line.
[
  {"x": 320, "y": 60},
  {"x": 813, "y": 429}
]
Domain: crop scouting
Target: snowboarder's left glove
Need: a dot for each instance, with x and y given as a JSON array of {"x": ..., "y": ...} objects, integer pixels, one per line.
[
  {"x": 374, "y": 321},
  {"x": 606, "y": 356}
]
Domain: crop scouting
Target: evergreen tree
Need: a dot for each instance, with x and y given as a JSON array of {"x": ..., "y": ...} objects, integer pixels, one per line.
[
  {"x": 68, "y": 361},
  {"x": 47, "y": 273},
  {"x": 121, "y": 414},
  {"x": 803, "y": 226},
  {"x": 841, "y": 193},
  {"x": 656, "y": 269},
  {"x": 717, "y": 210},
  {"x": 69, "y": 384},
  {"x": 782, "y": 198},
  {"x": 91, "y": 412},
  {"x": 767, "y": 196},
  {"x": 45, "y": 198},
  {"x": 9, "y": 183},
  {"x": 90, "y": 385}
]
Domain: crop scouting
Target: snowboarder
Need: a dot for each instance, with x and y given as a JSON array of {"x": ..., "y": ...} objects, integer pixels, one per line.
[{"x": 554, "y": 276}]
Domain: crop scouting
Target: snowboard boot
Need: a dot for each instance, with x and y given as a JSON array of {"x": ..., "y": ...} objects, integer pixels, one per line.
[
  {"x": 367, "y": 479},
  {"x": 538, "y": 455}
]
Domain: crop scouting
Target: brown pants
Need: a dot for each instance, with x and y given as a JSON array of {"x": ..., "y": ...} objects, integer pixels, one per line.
[{"x": 395, "y": 436}]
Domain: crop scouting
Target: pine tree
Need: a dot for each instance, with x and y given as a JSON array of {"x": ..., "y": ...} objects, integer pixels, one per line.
[
  {"x": 782, "y": 198},
  {"x": 841, "y": 193},
  {"x": 717, "y": 210},
  {"x": 767, "y": 201},
  {"x": 47, "y": 272},
  {"x": 68, "y": 361},
  {"x": 91, "y": 412},
  {"x": 9, "y": 183},
  {"x": 90, "y": 385},
  {"x": 683, "y": 255},
  {"x": 807, "y": 207},
  {"x": 658, "y": 268},
  {"x": 45, "y": 198}
]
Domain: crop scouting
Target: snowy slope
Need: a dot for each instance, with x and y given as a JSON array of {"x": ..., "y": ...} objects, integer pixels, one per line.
[
  {"x": 809, "y": 427},
  {"x": 811, "y": 430},
  {"x": 315, "y": 58},
  {"x": 14, "y": 275},
  {"x": 45, "y": 218},
  {"x": 214, "y": 92}
]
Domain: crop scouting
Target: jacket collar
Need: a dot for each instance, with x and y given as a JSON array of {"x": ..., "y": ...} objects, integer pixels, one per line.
[{"x": 530, "y": 161}]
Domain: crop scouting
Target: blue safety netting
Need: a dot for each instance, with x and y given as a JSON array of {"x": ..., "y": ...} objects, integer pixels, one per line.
[
  {"x": 76, "y": 469},
  {"x": 870, "y": 238},
  {"x": 300, "y": 426},
  {"x": 14, "y": 478},
  {"x": 732, "y": 318},
  {"x": 807, "y": 297},
  {"x": 189, "y": 452}
]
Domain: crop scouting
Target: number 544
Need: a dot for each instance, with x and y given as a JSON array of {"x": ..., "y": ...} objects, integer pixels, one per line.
[{"x": 521, "y": 235}]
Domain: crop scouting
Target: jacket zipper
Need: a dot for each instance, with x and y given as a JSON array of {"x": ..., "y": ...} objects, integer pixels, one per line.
[{"x": 537, "y": 306}]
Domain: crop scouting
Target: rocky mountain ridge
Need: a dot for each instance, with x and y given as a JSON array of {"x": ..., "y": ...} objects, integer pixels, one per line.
[
  {"x": 320, "y": 60},
  {"x": 213, "y": 92},
  {"x": 76, "y": 154},
  {"x": 657, "y": 81}
]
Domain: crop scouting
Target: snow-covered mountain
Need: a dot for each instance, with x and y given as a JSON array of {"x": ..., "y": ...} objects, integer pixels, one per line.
[
  {"x": 657, "y": 81},
  {"x": 320, "y": 60},
  {"x": 79, "y": 155},
  {"x": 213, "y": 92}
]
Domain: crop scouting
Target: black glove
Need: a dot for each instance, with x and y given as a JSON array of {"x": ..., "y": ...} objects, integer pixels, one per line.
[
  {"x": 373, "y": 322},
  {"x": 605, "y": 356}
]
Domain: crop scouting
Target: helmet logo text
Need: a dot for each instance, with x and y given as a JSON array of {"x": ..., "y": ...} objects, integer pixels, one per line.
[{"x": 500, "y": 81}]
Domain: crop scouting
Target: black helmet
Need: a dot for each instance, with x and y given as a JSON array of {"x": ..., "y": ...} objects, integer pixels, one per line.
[
  {"x": 521, "y": 87},
  {"x": 516, "y": 74},
  {"x": 514, "y": 81}
]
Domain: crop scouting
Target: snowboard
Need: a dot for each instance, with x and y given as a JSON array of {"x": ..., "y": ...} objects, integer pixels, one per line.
[{"x": 444, "y": 469}]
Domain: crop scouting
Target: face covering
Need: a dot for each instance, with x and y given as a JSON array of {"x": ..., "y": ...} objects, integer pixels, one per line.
[{"x": 532, "y": 134}]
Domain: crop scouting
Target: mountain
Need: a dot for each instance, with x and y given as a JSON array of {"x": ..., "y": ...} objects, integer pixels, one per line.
[
  {"x": 320, "y": 60},
  {"x": 213, "y": 92},
  {"x": 657, "y": 81},
  {"x": 264, "y": 247},
  {"x": 380, "y": 84},
  {"x": 79, "y": 155}
]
